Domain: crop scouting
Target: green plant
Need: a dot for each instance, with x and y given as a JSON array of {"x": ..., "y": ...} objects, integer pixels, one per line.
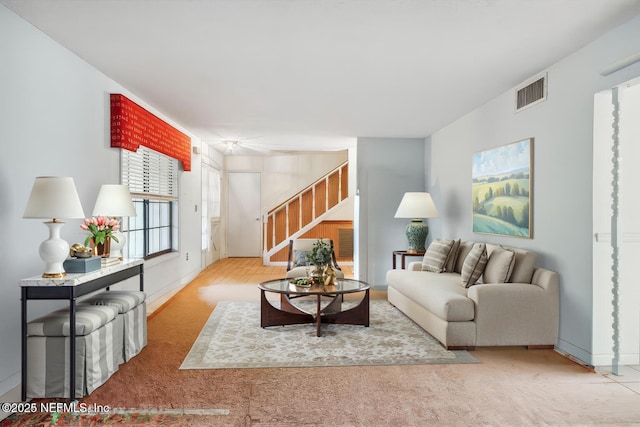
[
  {"x": 100, "y": 228},
  {"x": 320, "y": 254}
]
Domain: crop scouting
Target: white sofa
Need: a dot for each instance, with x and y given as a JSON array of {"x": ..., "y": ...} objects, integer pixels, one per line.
[{"x": 522, "y": 310}]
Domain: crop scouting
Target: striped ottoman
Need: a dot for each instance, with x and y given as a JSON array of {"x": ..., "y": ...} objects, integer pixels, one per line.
[
  {"x": 132, "y": 308},
  {"x": 98, "y": 348}
]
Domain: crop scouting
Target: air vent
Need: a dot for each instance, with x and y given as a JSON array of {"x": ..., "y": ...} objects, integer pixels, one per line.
[
  {"x": 531, "y": 93},
  {"x": 345, "y": 243}
]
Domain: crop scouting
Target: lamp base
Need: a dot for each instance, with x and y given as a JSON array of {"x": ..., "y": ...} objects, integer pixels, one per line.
[
  {"x": 54, "y": 251},
  {"x": 116, "y": 247},
  {"x": 417, "y": 232},
  {"x": 54, "y": 275}
]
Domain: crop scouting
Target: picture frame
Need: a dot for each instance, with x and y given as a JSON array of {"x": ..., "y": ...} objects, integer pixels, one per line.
[{"x": 502, "y": 190}]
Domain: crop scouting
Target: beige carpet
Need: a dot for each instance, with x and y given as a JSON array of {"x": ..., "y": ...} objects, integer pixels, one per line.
[{"x": 233, "y": 338}]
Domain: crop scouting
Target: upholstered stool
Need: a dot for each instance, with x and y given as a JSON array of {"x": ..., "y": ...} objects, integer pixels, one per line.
[
  {"x": 98, "y": 349},
  {"x": 132, "y": 308}
]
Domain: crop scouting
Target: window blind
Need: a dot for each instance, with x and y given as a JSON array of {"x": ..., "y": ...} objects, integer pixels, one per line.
[{"x": 149, "y": 174}]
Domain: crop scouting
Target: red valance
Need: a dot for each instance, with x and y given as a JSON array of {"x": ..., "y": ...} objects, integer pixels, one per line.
[{"x": 132, "y": 126}]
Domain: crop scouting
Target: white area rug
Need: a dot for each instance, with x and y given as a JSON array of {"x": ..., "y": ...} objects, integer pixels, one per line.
[{"x": 233, "y": 338}]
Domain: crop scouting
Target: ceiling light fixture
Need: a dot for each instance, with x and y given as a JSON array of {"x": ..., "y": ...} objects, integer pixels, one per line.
[{"x": 231, "y": 146}]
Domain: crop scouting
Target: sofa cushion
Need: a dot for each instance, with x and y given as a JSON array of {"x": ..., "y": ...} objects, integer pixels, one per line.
[
  {"x": 450, "y": 266},
  {"x": 499, "y": 265},
  {"x": 524, "y": 266},
  {"x": 436, "y": 256},
  {"x": 439, "y": 293},
  {"x": 474, "y": 265}
]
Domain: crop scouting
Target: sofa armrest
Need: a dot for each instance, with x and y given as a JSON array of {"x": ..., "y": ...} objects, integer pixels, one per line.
[
  {"x": 415, "y": 266},
  {"x": 518, "y": 313}
]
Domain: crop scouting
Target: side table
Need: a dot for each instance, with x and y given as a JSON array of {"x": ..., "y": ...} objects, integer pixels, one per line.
[{"x": 403, "y": 255}]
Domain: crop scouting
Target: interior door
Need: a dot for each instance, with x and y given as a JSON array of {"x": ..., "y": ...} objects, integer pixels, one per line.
[{"x": 244, "y": 224}]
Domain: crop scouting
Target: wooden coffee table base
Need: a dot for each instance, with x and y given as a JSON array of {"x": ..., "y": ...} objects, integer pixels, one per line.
[{"x": 289, "y": 314}]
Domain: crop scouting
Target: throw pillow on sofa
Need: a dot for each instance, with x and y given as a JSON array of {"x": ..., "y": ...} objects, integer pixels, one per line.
[
  {"x": 436, "y": 256},
  {"x": 474, "y": 264},
  {"x": 450, "y": 265},
  {"x": 499, "y": 266}
]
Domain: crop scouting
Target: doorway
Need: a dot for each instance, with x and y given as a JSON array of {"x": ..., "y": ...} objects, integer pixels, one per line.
[
  {"x": 616, "y": 247},
  {"x": 244, "y": 230}
]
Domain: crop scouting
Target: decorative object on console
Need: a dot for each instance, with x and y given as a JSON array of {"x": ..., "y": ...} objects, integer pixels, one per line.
[
  {"x": 501, "y": 190},
  {"x": 114, "y": 200},
  {"x": 82, "y": 265},
  {"x": 101, "y": 229},
  {"x": 416, "y": 205},
  {"x": 57, "y": 198},
  {"x": 80, "y": 251}
]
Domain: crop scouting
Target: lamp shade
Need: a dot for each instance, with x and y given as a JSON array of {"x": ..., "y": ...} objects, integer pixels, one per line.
[
  {"x": 417, "y": 205},
  {"x": 53, "y": 197},
  {"x": 114, "y": 200}
]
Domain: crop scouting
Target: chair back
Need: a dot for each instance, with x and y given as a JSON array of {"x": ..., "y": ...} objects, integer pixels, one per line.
[{"x": 306, "y": 245}]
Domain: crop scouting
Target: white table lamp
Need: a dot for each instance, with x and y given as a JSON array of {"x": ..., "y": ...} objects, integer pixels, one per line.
[
  {"x": 54, "y": 197},
  {"x": 114, "y": 200},
  {"x": 417, "y": 205}
]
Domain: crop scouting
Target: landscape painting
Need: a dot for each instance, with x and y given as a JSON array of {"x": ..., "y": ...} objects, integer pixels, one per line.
[{"x": 501, "y": 190}]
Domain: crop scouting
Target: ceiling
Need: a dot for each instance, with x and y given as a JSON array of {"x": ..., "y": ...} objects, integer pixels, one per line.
[{"x": 315, "y": 74}]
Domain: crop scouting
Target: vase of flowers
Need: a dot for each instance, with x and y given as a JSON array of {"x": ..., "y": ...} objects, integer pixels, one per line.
[
  {"x": 101, "y": 229},
  {"x": 320, "y": 257}
]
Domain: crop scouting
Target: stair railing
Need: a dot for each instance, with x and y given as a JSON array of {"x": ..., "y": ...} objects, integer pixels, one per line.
[{"x": 305, "y": 208}]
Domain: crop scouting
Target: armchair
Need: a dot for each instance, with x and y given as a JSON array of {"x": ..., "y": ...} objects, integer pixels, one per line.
[{"x": 297, "y": 258}]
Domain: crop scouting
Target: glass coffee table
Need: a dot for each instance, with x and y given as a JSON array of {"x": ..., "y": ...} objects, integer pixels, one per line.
[{"x": 333, "y": 312}]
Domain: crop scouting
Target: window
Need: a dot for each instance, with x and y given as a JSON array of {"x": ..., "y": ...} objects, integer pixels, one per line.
[{"x": 153, "y": 182}]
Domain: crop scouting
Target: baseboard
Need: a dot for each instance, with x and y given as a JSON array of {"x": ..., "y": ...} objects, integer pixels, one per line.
[
  {"x": 575, "y": 360},
  {"x": 13, "y": 395}
]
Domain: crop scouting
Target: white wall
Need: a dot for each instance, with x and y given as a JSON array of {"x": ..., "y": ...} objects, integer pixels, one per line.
[
  {"x": 54, "y": 112},
  {"x": 387, "y": 168},
  {"x": 285, "y": 175},
  {"x": 562, "y": 172}
]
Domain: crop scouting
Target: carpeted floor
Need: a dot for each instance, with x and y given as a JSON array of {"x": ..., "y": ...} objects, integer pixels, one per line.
[
  {"x": 233, "y": 338},
  {"x": 510, "y": 387}
]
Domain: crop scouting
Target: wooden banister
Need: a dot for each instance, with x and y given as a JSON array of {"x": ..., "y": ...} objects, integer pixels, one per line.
[{"x": 305, "y": 207}]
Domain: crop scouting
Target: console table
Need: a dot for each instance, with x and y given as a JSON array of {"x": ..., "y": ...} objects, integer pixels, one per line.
[{"x": 69, "y": 288}]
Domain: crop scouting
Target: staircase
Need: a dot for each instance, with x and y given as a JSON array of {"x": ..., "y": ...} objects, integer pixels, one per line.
[{"x": 304, "y": 211}]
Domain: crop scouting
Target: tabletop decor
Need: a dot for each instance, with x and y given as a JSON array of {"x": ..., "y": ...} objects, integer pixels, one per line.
[
  {"x": 114, "y": 201},
  {"x": 320, "y": 257},
  {"x": 101, "y": 229},
  {"x": 56, "y": 198}
]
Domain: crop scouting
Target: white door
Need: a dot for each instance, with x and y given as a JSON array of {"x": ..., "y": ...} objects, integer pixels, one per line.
[{"x": 244, "y": 225}]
